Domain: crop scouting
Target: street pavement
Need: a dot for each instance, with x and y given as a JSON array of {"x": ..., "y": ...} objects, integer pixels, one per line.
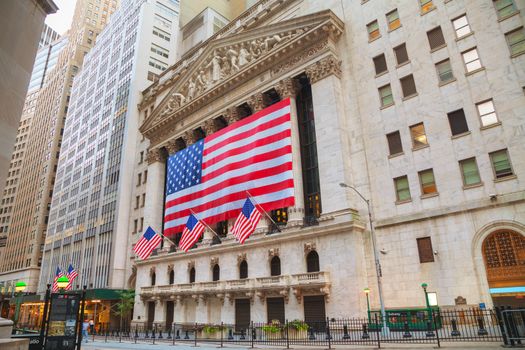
[{"x": 112, "y": 345}]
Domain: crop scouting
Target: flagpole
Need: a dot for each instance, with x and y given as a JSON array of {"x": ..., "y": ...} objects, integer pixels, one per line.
[
  {"x": 264, "y": 211},
  {"x": 205, "y": 224},
  {"x": 167, "y": 239}
]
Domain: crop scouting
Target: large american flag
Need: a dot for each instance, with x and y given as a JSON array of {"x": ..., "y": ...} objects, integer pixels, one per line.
[
  {"x": 212, "y": 176},
  {"x": 246, "y": 221},
  {"x": 147, "y": 243},
  {"x": 71, "y": 275},
  {"x": 58, "y": 274}
]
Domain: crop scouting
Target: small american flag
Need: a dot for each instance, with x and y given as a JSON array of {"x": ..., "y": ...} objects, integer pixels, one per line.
[
  {"x": 246, "y": 221},
  {"x": 191, "y": 233},
  {"x": 71, "y": 275},
  {"x": 149, "y": 241},
  {"x": 58, "y": 274}
]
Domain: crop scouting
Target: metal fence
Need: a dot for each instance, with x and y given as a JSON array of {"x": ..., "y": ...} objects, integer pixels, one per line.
[{"x": 472, "y": 325}]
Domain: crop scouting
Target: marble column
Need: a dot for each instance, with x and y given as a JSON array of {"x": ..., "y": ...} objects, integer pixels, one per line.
[
  {"x": 153, "y": 215},
  {"x": 288, "y": 88},
  {"x": 331, "y": 133},
  {"x": 160, "y": 311}
]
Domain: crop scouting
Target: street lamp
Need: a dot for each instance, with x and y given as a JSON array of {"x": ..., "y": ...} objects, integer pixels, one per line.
[
  {"x": 386, "y": 330},
  {"x": 427, "y": 302},
  {"x": 20, "y": 286},
  {"x": 62, "y": 282},
  {"x": 367, "y": 291}
]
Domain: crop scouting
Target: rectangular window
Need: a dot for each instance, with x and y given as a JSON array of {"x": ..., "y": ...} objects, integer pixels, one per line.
[
  {"x": 516, "y": 41},
  {"x": 487, "y": 113},
  {"x": 471, "y": 60},
  {"x": 401, "y": 54},
  {"x": 392, "y": 19},
  {"x": 426, "y": 5},
  {"x": 385, "y": 94},
  {"x": 419, "y": 137},
  {"x": 505, "y": 8},
  {"x": 145, "y": 176},
  {"x": 394, "y": 143},
  {"x": 402, "y": 189},
  {"x": 436, "y": 38},
  {"x": 141, "y": 224},
  {"x": 444, "y": 71},
  {"x": 135, "y": 225},
  {"x": 380, "y": 64},
  {"x": 469, "y": 172},
  {"x": 461, "y": 26},
  {"x": 424, "y": 248},
  {"x": 458, "y": 122},
  {"x": 139, "y": 179},
  {"x": 501, "y": 164},
  {"x": 143, "y": 200},
  {"x": 373, "y": 30},
  {"x": 428, "y": 183},
  {"x": 137, "y": 201},
  {"x": 408, "y": 86}
]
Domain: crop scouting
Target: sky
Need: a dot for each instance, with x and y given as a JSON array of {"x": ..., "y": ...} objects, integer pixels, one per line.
[{"x": 61, "y": 20}]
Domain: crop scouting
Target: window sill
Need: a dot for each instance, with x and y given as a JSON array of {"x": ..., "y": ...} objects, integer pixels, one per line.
[
  {"x": 381, "y": 74},
  {"x": 485, "y": 127},
  {"x": 393, "y": 29},
  {"x": 403, "y": 64},
  {"x": 474, "y": 71},
  {"x": 509, "y": 16},
  {"x": 374, "y": 39},
  {"x": 467, "y": 187},
  {"x": 460, "y": 135},
  {"x": 386, "y": 106},
  {"x": 438, "y": 48},
  {"x": 409, "y": 97},
  {"x": 506, "y": 178},
  {"x": 465, "y": 36},
  {"x": 429, "y": 195},
  {"x": 396, "y": 155},
  {"x": 427, "y": 11},
  {"x": 514, "y": 55},
  {"x": 447, "y": 82},
  {"x": 420, "y": 147},
  {"x": 404, "y": 202}
]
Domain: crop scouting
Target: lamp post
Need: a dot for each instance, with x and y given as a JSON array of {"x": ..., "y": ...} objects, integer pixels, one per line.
[
  {"x": 19, "y": 289},
  {"x": 427, "y": 302},
  {"x": 367, "y": 291},
  {"x": 95, "y": 315},
  {"x": 385, "y": 328},
  {"x": 62, "y": 282}
]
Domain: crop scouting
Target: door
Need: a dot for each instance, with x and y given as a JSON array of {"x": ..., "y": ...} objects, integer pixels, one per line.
[
  {"x": 151, "y": 314},
  {"x": 242, "y": 314},
  {"x": 275, "y": 309},
  {"x": 314, "y": 312},
  {"x": 170, "y": 307}
]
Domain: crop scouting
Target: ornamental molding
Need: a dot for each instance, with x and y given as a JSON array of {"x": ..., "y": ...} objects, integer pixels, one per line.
[
  {"x": 155, "y": 155},
  {"x": 323, "y": 68},
  {"x": 308, "y": 247},
  {"x": 191, "y": 264},
  {"x": 273, "y": 252},
  {"x": 240, "y": 258},
  {"x": 214, "y": 261},
  {"x": 227, "y": 63}
]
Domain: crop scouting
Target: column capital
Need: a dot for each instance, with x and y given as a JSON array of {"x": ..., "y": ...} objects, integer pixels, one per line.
[
  {"x": 155, "y": 155},
  {"x": 209, "y": 127},
  {"x": 172, "y": 147},
  {"x": 323, "y": 68},
  {"x": 287, "y": 87},
  {"x": 188, "y": 137},
  {"x": 256, "y": 102},
  {"x": 231, "y": 115}
]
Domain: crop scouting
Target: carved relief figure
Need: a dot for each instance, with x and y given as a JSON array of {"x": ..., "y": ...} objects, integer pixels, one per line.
[
  {"x": 215, "y": 65},
  {"x": 232, "y": 55},
  {"x": 192, "y": 87},
  {"x": 244, "y": 56}
]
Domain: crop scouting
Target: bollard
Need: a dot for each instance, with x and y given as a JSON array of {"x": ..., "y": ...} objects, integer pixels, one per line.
[
  {"x": 345, "y": 332},
  {"x": 169, "y": 333},
  {"x": 160, "y": 333},
  {"x": 186, "y": 336},
  {"x": 312, "y": 334},
  {"x": 147, "y": 335},
  {"x": 429, "y": 332},
  {"x": 455, "y": 332},
  {"x": 365, "y": 332},
  {"x": 406, "y": 334},
  {"x": 153, "y": 331},
  {"x": 242, "y": 335},
  {"x": 481, "y": 325},
  {"x": 230, "y": 334},
  {"x": 177, "y": 334}
]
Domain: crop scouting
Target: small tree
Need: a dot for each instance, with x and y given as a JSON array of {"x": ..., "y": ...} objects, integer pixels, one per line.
[{"x": 125, "y": 305}]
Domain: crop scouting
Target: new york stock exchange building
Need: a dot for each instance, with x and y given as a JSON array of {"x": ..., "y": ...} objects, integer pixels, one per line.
[{"x": 370, "y": 120}]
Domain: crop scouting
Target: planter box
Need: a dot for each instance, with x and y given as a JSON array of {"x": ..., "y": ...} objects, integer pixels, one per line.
[{"x": 297, "y": 334}]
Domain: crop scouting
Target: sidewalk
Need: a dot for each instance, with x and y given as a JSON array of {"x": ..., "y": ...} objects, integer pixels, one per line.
[{"x": 111, "y": 345}]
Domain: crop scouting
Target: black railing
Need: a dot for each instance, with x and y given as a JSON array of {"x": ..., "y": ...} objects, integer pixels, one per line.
[{"x": 469, "y": 325}]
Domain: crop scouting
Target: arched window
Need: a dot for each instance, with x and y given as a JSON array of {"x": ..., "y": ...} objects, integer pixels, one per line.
[
  {"x": 312, "y": 262},
  {"x": 192, "y": 275},
  {"x": 504, "y": 254},
  {"x": 172, "y": 277},
  {"x": 216, "y": 272},
  {"x": 153, "y": 278},
  {"x": 275, "y": 266},
  {"x": 243, "y": 269}
]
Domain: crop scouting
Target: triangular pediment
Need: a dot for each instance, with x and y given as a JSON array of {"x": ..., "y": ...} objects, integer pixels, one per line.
[{"x": 232, "y": 58}]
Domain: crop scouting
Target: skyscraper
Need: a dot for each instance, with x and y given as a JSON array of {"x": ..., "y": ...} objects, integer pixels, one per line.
[
  {"x": 47, "y": 37},
  {"x": 21, "y": 258},
  {"x": 89, "y": 217}
]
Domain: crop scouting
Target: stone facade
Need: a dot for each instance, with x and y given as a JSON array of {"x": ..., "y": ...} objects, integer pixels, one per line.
[{"x": 328, "y": 43}]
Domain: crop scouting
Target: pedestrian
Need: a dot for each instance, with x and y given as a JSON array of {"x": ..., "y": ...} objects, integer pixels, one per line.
[
  {"x": 85, "y": 326},
  {"x": 91, "y": 326}
]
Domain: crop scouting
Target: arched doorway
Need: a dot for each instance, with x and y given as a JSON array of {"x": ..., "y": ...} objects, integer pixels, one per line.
[{"x": 504, "y": 257}]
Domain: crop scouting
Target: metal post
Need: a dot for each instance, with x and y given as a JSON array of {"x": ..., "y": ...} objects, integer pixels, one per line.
[
  {"x": 287, "y": 336},
  {"x": 377, "y": 333},
  {"x": 95, "y": 322},
  {"x": 195, "y": 333},
  {"x": 44, "y": 316},
  {"x": 328, "y": 335},
  {"x": 81, "y": 316},
  {"x": 222, "y": 335},
  {"x": 251, "y": 326},
  {"x": 368, "y": 306}
]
